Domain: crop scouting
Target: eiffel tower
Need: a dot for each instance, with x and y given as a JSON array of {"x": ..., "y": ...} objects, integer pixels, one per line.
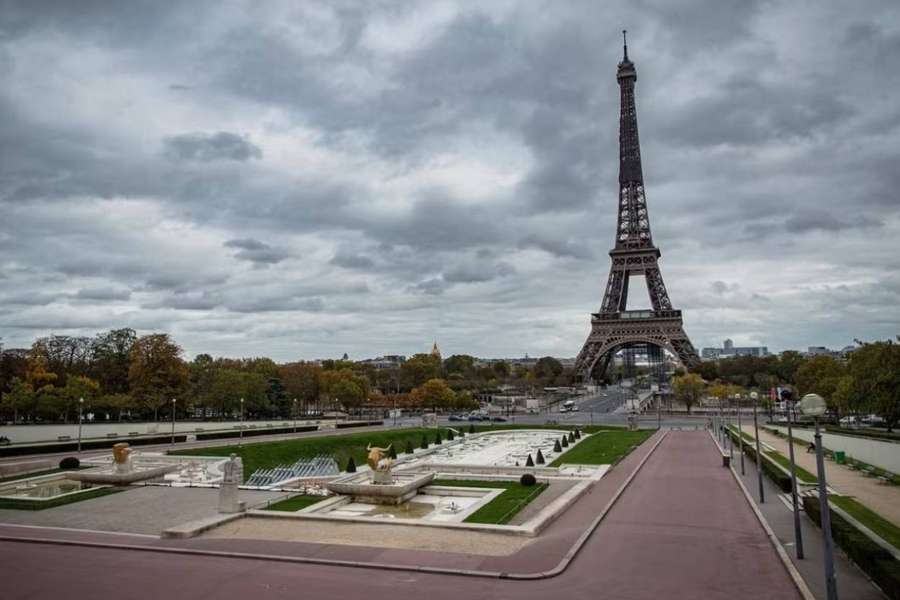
[{"x": 614, "y": 328}]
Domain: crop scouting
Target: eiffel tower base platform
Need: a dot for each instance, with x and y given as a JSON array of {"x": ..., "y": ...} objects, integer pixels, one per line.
[{"x": 613, "y": 331}]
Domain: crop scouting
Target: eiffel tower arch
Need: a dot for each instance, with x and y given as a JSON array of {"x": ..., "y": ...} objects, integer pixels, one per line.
[{"x": 615, "y": 327}]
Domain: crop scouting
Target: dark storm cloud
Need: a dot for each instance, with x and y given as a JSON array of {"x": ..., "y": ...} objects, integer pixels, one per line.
[
  {"x": 204, "y": 147},
  {"x": 436, "y": 163},
  {"x": 256, "y": 251}
]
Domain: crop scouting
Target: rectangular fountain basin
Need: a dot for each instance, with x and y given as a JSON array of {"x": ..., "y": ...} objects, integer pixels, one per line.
[{"x": 361, "y": 488}]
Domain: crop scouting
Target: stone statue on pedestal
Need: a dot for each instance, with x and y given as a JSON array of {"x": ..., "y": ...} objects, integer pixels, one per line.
[{"x": 233, "y": 473}]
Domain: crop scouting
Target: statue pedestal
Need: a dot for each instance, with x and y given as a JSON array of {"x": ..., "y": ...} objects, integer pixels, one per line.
[
  {"x": 382, "y": 477},
  {"x": 228, "y": 498}
]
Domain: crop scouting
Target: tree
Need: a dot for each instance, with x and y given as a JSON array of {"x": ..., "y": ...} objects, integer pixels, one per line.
[
  {"x": 820, "y": 375},
  {"x": 688, "y": 389},
  {"x": 459, "y": 364},
  {"x": 419, "y": 369},
  {"x": 345, "y": 387},
  {"x": 111, "y": 359},
  {"x": 547, "y": 368},
  {"x": 78, "y": 387},
  {"x": 875, "y": 368},
  {"x": 301, "y": 381},
  {"x": 20, "y": 398},
  {"x": 435, "y": 393},
  {"x": 156, "y": 373}
]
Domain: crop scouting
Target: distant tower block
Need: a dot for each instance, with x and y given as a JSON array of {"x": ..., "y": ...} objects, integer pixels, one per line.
[{"x": 615, "y": 328}]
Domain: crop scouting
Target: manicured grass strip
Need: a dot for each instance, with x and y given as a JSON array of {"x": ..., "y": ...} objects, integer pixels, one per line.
[
  {"x": 295, "y": 503},
  {"x": 871, "y": 519},
  {"x": 504, "y": 507},
  {"x": 61, "y": 501},
  {"x": 604, "y": 448},
  {"x": 802, "y": 474},
  {"x": 266, "y": 455},
  {"x": 747, "y": 437}
]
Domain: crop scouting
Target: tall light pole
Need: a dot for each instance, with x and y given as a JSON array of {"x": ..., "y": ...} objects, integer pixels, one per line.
[
  {"x": 813, "y": 405},
  {"x": 762, "y": 494},
  {"x": 740, "y": 402},
  {"x": 80, "y": 421},
  {"x": 295, "y": 415},
  {"x": 787, "y": 396},
  {"x": 173, "y": 421},
  {"x": 241, "y": 425}
]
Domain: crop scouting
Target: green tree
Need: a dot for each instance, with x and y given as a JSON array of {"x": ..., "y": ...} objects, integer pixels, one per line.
[
  {"x": 111, "y": 359},
  {"x": 301, "y": 381},
  {"x": 19, "y": 400},
  {"x": 157, "y": 373},
  {"x": 820, "y": 375},
  {"x": 688, "y": 389},
  {"x": 419, "y": 369},
  {"x": 435, "y": 393},
  {"x": 875, "y": 368}
]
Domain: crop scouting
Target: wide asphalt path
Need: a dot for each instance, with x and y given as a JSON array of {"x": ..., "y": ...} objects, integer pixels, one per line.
[{"x": 682, "y": 529}]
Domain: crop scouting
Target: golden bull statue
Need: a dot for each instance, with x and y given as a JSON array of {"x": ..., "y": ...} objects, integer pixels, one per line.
[
  {"x": 375, "y": 457},
  {"x": 120, "y": 453}
]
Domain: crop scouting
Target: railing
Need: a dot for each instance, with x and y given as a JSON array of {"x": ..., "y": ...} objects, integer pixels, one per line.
[{"x": 638, "y": 314}]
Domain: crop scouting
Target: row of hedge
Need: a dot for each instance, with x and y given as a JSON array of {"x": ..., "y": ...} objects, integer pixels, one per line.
[
  {"x": 879, "y": 564},
  {"x": 72, "y": 446},
  {"x": 350, "y": 424},
  {"x": 769, "y": 467},
  {"x": 217, "y": 435}
]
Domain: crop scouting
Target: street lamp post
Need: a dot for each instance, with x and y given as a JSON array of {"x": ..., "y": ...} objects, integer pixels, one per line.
[
  {"x": 759, "y": 477},
  {"x": 80, "y": 421},
  {"x": 739, "y": 399},
  {"x": 787, "y": 396},
  {"x": 813, "y": 405},
  {"x": 241, "y": 425},
  {"x": 173, "y": 421},
  {"x": 295, "y": 415}
]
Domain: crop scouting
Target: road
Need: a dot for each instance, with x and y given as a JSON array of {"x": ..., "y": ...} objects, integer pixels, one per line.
[{"x": 682, "y": 529}]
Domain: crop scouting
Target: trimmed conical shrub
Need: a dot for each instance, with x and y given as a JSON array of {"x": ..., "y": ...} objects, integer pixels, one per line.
[
  {"x": 437, "y": 437},
  {"x": 540, "y": 457},
  {"x": 393, "y": 453},
  {"x": 577, "y": 434},
  {"x": 424, "y": 443},
  {"x": 571, "y": 438},
  {"x": 409, "y": 448},
  {"x": 351, "y": 466},
  {"x": 462, "y": 433},
  {"x": 529, "y": 462},
  {"x": 565, "y": 442},
  {"x": 556, "y": 446},
  {"x": 449, "y": 435},
  {"x": 471, "y": 427}
]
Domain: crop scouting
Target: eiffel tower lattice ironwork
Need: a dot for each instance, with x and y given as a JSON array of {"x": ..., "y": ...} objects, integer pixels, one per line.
[{"x": 614, "y": 327}]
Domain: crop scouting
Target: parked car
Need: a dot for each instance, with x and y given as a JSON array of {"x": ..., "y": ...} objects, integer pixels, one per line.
[
  {"x": 849, "y": 421},
  {"x": 498, "y": 419},
  {"x": 455, "y": 418},
  {"x": 474, "y": 418},
  {"x": 873, "y": 420}
]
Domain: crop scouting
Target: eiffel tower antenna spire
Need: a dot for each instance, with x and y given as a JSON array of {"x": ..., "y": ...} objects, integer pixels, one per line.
[{"x": 625, "y": 44}]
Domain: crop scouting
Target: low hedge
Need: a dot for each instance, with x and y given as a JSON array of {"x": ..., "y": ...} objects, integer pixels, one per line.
[
  {"x": 218, "y": 435},
  {"x": 779, "y": 477},
  {"x": 876, "y": 562},
  {"x": 350, "y": 424},
  {"x": 72, "y": 446}
]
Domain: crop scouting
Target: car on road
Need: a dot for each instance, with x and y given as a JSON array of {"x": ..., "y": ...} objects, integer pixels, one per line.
[
  {"x": 454, "y": 418},
  {"x": 498, "y": 419}
]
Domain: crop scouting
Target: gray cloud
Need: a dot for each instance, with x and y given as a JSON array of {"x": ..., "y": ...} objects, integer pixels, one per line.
[
  {"x": 205, "y": 147},
  {"x": 443, "y": 171}
]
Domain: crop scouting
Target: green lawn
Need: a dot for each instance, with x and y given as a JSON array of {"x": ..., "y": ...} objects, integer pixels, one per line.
[
  {"x": 295, "y": 503},
  {"x": 802, "y": 474},
  {"x": 33, "y": 505},
  {"x": 604, "y": 448},
  {"x": 504, "y": 507},
  {"x": 265, "y": 455},
  {"x": 878, "y": 524}
]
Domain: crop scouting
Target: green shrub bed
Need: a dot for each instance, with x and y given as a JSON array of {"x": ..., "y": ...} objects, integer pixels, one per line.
[
  {"x": 16, "y": 504},
  {"x": 294, "y": 503},
  {"x": 504, "y": 507},
  {"x": 875, "y": 561}
]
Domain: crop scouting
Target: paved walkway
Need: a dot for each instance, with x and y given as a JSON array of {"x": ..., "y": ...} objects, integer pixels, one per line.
[
  {"x": 682, "y": 529},
  {"x": 883, "y": 499}
]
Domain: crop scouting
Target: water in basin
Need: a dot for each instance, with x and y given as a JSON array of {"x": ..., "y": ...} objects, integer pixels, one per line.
[{"x": 41, "y": 489}]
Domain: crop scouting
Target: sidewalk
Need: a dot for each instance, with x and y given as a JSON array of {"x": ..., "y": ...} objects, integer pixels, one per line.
[{"x": 881, "y": 498}]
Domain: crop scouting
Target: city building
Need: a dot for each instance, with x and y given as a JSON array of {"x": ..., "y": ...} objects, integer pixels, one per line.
[{"x": 729, "y": 350}]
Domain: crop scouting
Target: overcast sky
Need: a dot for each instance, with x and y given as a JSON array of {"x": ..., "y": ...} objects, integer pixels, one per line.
[{"x": 303, "y": 179}]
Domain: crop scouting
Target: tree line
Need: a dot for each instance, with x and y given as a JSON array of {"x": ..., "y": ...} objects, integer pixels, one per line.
[
  {"x": 120, "y": 375},
  {"x": 866, "y": 381}
]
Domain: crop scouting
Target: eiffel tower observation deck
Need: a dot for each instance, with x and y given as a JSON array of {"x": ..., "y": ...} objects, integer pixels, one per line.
[{"x": 614, "y": 327}]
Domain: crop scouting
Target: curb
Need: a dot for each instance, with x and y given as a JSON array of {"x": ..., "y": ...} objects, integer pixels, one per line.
[
  {"x": 792, "y": 571},
  {"x": 557, "y": 570}
]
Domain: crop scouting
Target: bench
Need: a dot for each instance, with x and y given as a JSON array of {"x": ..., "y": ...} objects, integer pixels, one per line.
[
  {"x": 112, "y": 435},
  {"x": 134, "y": 433},
  {"x": 63, "y": 438},
  {"x": 726, "y": 460}
]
